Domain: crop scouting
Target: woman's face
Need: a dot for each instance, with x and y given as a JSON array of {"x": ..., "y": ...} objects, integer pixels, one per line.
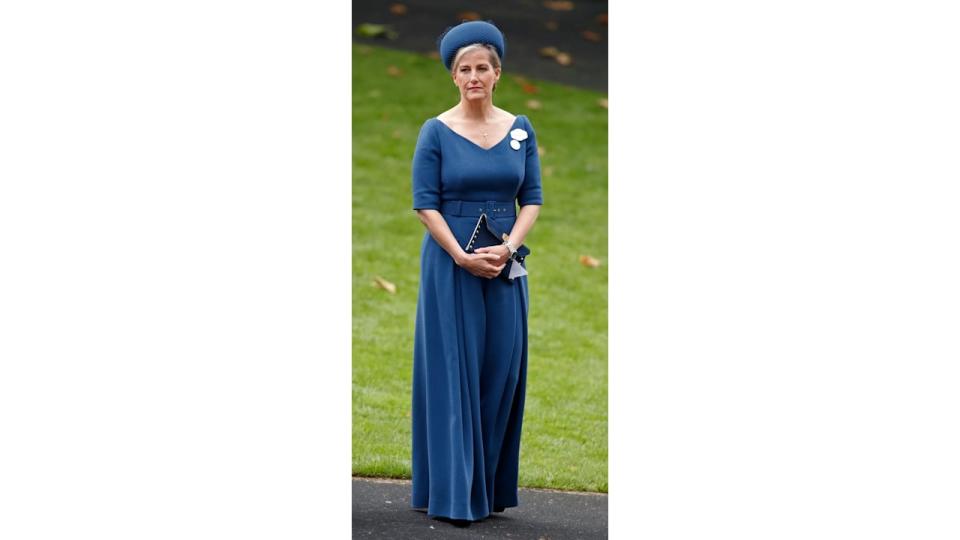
[{"x": 475, "y": 75}]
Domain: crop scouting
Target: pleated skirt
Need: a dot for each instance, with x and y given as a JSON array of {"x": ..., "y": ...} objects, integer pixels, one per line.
[{"x": 469, "y": 384}]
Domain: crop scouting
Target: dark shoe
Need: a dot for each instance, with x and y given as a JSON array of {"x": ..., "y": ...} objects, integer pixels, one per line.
[
  {"x": 463, "y": 523},
  {"x": 498, "y": 509}
]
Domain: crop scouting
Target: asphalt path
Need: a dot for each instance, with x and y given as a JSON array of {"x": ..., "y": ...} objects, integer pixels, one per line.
[
  {"x": 381, "y": 509},
  {"x": 527, "y": 25}
]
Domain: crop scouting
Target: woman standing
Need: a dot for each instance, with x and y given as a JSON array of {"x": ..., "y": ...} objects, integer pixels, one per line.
[{"x": 470, "y": 346}]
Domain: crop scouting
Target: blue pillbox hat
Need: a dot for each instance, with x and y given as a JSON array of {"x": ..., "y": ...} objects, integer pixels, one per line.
[{"x": 466, "y": 34}]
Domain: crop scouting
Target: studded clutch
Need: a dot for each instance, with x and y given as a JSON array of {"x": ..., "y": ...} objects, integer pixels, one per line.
[{"x": 486, "y": 233}]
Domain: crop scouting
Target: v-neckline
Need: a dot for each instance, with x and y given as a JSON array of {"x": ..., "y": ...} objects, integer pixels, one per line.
[{"x": 496, "y": 144}]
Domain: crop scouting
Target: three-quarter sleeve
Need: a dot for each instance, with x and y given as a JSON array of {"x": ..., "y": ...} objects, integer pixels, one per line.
[
  {"x": 530, "y": 191},
  {"x": 426, "y": 169}
]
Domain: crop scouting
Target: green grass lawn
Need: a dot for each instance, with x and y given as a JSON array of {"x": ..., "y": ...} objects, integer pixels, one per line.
[{"x": 564, "y": 444}]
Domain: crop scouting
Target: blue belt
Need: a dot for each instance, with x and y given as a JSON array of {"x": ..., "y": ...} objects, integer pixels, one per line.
[{"x": 475, "y": 208}]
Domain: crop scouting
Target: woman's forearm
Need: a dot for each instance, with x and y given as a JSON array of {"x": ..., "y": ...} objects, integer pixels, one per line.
[
  {"x": 441, "y": 233},
  {"x": 525, "y": 220}
]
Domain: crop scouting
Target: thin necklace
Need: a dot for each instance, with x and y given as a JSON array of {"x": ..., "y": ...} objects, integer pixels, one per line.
[{"x": 483, "y": 131}]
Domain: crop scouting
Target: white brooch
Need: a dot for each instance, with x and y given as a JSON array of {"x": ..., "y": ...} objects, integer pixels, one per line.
[{"x": 516, "y": 136}]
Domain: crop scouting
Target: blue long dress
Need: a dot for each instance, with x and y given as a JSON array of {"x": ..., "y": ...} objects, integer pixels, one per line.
[{"x": 470, "y": 344}]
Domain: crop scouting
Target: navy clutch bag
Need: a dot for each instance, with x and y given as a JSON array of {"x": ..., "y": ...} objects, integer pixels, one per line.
[{"x": 485, "y": 234}]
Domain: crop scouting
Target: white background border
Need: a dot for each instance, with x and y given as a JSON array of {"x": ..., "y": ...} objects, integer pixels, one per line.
[{"x": 174, "y": 301}]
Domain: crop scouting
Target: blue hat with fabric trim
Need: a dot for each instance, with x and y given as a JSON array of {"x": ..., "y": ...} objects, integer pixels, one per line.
[{"x": 466, "y": 34}]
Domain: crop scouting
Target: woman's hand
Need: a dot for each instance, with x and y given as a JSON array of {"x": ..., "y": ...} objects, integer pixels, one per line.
[
  {"x": 483, "y": 265},
  {"x": 501, "y": 251}
]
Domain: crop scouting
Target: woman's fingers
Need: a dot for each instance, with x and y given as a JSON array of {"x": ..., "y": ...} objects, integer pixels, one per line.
[
  {"x": 486, "y": 265},
  {"x": 495, "y": 271}
]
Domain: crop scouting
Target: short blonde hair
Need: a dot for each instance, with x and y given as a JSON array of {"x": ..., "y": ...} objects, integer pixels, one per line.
[{"x": 494, "y": 57}]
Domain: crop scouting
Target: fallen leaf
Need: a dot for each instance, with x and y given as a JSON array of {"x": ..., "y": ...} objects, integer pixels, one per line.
[
  {"x": 374, "y": 93},
  {"x": 589, "y": 261},
  {"x": 549, "y": 52},
  {"x": 376, "y": 31},
  {"x": 398, "y": 9},
  {"x": 534, "y": 104},
  {"x": 433, "y": 54},
  {"x": 525, "y": 85},
  {"x": 558, "y": 5},
  {"x": 602, "y": 102},
  {"x": 563, "y": 59},
  {"x": 468, "y": 16},
  {"x": 548, "y": 171},
  {"x": 385, "y": 285},
  {"x": 552, "y": 26},
  {"x": 541, "y": 151},
  {"x": 394, "y": 71},
  {"x": 396, "y": 134},
  {"x": 364, "y": 50},
  {"x": 590, "y": 35},
  {"x": 602, "y": 19}
]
